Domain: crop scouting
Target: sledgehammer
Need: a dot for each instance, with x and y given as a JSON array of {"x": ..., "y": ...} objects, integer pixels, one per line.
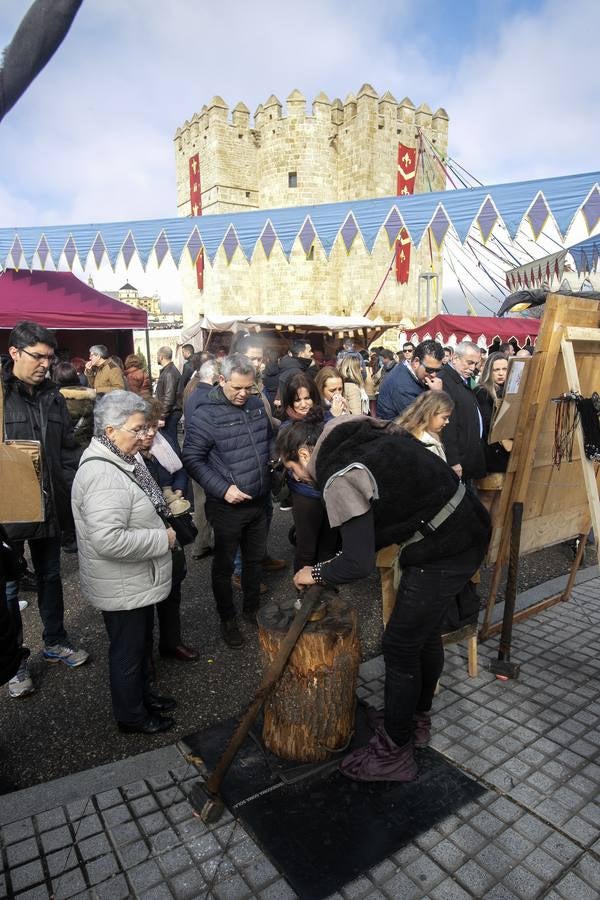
[{"x": 205, "y": 797}]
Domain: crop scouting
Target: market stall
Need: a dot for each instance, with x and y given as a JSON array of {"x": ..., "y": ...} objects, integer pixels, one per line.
[{"x": 482, "y": 330}]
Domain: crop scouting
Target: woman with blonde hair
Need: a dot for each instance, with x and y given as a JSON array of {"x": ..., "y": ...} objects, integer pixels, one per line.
[
  {"x": 426, "y": 417},
  {"x": 355, "y": 393},
  {"x": 489, "y": 393}
]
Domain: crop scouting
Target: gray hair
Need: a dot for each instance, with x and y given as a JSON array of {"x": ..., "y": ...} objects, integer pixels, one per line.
[
  {"x": 237, "y": 363},
  {"x": 463, "y": 346},
  {"x": 115, "y": 408},
  {"x": 165, "y": 353},
  {"x": 100, "y": 350},
  {"x": 209, "y": 372}
]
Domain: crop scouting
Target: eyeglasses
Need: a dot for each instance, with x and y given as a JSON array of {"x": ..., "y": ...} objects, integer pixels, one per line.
[
  {"x": 431, "y": 370},
  {"x": 48, "y": 357},
  {"x": 408, "y": 350},
  {"x": 139, "y": 432}
]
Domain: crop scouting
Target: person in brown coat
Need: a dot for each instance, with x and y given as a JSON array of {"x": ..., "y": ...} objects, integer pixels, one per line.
[
  {"x": 137, "y": 377},
  {"x": 102, "y": 373}
]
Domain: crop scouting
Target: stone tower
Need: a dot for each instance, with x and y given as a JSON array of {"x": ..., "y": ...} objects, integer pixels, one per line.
[{"x": 336, "y": 151}]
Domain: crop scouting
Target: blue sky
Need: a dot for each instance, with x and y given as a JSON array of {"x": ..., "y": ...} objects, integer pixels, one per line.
[{"x": 92, "y": 138}]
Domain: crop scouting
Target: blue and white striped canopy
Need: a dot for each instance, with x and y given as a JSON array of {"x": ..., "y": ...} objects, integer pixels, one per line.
[{"x": 535, "y": 201}]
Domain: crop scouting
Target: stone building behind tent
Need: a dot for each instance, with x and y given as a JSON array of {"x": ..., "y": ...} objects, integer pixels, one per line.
[{"x": 339, "y": 151}]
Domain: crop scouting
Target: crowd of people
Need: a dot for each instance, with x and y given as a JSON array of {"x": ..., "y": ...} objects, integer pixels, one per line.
[{"x": 379, "y": 456}]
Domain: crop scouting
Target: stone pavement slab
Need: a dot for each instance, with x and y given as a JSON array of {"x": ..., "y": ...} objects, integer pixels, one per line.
[{"x": 127, "y": 830}]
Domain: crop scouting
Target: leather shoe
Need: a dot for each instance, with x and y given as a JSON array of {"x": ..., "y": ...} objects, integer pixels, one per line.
[
  {"x": 273, "y": 565},
  {"x": 151, "y": 725},
  {"x": 156, "y": 704},
  {"x": 181, "y": 653},
  {"x": 231, "y": 634}
]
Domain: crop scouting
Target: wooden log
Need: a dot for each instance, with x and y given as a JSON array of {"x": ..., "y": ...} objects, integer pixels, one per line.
[{"x": 310, "y": 714}]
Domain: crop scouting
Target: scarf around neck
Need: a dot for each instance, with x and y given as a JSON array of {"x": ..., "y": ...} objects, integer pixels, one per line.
[{"x": 141, "y": 475}]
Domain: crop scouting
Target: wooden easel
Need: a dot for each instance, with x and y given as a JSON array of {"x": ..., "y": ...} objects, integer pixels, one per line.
[{"x": 558, "y": 503}]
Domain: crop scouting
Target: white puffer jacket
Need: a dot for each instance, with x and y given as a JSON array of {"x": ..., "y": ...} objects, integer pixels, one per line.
[{"x": 124, "y": 556}]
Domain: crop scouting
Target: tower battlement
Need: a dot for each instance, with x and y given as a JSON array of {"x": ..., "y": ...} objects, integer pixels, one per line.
[{"x": 295, "y": 155}]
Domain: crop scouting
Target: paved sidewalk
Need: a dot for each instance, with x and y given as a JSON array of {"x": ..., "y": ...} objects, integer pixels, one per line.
[{"x": 126, "y": 830}]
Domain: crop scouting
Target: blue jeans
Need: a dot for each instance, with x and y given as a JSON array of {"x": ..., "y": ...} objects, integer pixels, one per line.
[{"x": 45, "y": 556}]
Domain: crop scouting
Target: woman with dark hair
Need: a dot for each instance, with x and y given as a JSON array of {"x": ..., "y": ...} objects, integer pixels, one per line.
[
  {"x": 330, "y": 385},
  {"x": 315, "y": 540},
  {"x": 382, "y": 486},
  {"x": 489, "y": 393},
  {"x": 79, "y": 400}
]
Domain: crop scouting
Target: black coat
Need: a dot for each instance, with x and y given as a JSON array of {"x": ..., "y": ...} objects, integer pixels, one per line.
[
  {"x": 496, "y": 457},
  {"x": 290, "y": 366},
  {"x": 10, "y": 647},
  {"x": 413, "y": 485},
  {"x": 167, "y": 389},
  {"x": 461, "y": 436},
  {"x": 42, "y": 415}
]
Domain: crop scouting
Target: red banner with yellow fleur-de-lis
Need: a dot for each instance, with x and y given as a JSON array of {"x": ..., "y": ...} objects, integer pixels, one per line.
[
  {"x": 196, "y": 210},
  {"x": 402, "y": 256},
  {"x": 407, "y": 169}
]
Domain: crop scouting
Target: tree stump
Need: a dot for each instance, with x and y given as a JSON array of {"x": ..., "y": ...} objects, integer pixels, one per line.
[{"x": 310, "y": 714}]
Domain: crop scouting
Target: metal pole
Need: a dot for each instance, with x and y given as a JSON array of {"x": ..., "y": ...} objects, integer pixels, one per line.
[{"x": 149, "y": 360}]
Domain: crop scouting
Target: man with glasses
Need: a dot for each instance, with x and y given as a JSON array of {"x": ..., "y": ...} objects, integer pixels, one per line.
[
  {"x": 408, "y": 350},
  {"x": 409, "y": 379},
  {"x": 226, "y": 450},
  {"x": 463, "y": 435},
  {"x": 34, "y": 409}
]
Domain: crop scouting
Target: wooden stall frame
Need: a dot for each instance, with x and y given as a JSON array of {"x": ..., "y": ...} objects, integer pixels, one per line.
[{"x": 556, "y": 344}]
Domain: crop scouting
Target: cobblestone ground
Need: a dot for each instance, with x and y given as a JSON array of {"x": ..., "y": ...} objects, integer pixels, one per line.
[{"x": 534, "y": 743}]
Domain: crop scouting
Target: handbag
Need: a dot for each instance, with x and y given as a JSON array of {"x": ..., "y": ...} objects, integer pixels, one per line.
[
  {"x": 21, "y": 467},
  {"x": 183, "y": 526}
]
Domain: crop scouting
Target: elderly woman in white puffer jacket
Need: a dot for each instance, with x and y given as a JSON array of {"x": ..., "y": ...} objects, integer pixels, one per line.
[{"x": 124, "y": 552}]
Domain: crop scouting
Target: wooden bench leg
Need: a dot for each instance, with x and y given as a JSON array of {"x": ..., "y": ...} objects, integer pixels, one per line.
[{"x": 472, "y": 656}]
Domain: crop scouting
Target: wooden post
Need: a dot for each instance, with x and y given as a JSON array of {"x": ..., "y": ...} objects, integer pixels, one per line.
[{"x": 310, "y": 714}]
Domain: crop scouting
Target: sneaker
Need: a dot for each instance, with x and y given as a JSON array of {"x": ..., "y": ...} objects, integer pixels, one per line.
[
  {"x": 68, "y": 655},
  {"x": 21, "y": 684},
  {"x": 231, "y": 634},
  {"x": 285, "y": 507},
  {"x": 23, "y": 604}
]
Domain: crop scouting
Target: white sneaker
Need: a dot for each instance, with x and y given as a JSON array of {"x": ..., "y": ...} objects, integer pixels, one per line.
[
  {"x": 23, "y": 604},
  {"x": 65, "y": 654},
  {"x": 21, "y": 684}
]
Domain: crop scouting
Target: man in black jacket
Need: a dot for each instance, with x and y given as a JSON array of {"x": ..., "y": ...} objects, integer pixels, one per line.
[
  {"x": 34, "y": 409},
  {"x": 167, "y": 391},
  {"x": 463, "y": 435},
  {"x": 299, "y": 359},
  {"x": 227, "y": 450}
]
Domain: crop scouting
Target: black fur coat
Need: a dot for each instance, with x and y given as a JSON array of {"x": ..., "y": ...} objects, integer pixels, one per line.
[{"x": 413, "y": 485}]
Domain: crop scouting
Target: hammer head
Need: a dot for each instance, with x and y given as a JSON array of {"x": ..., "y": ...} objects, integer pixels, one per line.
[
  {"x": 208, "y": 806},
  {"x": 504, "y": 668}
]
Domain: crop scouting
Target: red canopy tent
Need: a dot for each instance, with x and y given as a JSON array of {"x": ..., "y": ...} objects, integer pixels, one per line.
[
  {"x": 480, "y": 329},
  {"x": 80, "y": 315}
]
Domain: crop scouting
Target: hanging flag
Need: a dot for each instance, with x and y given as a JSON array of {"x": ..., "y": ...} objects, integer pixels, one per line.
[
  {"x": 195, "y": 195},
  {"x": 196, "y": 208},
  {"x": 407, "y": 169},
  {"x": 402, "y": 256}
]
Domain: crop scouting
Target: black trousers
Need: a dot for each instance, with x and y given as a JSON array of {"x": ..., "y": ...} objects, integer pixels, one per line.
[
  {"x": 412, "y": 643},
  {"x": 316, "y": 541},
  {"x": 243, "y": 524},
  {"x": 129, "y": 632}
]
